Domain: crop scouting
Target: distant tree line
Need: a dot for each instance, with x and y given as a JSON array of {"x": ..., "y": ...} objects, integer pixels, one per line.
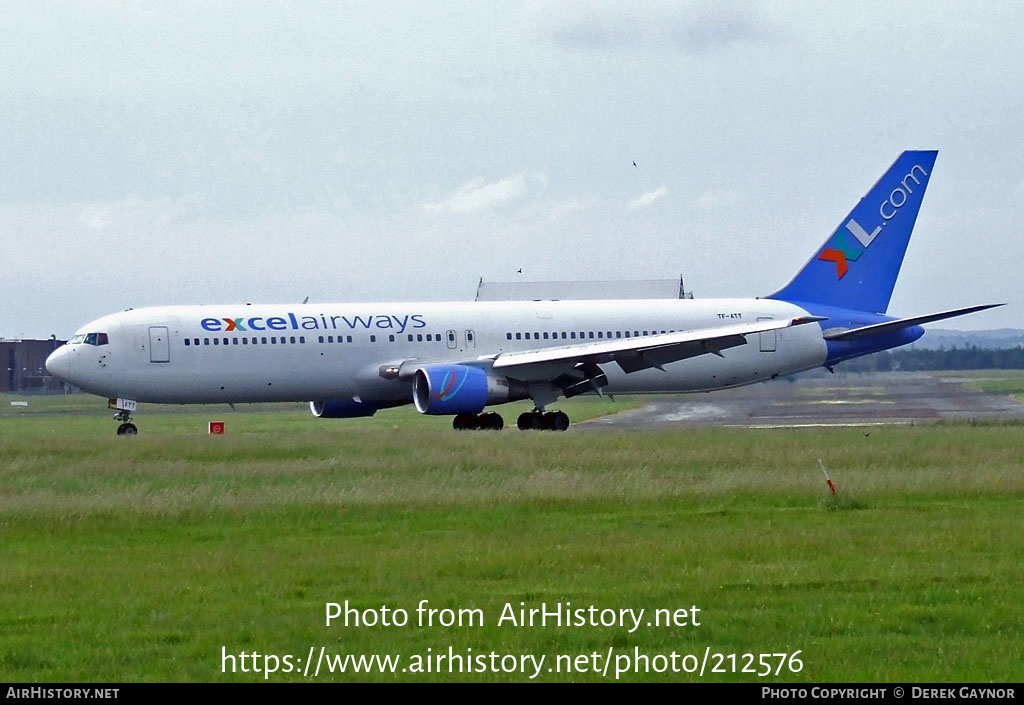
[{"x": 968, "y": 358}]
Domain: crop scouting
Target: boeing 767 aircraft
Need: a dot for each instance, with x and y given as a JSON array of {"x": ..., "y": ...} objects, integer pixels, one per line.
[{"x": 460, "y": 358}]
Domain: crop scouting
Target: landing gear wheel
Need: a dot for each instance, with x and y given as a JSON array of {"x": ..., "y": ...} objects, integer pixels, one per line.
[
  {"x": 127, "y": 429},
  {"x": 543, "y": 421},
  {"x": 465, "y": 422},
  {"x": 559, "y": 421},
  {"x": 490, "y": 421},
  {"x": 531, "y": 421}
]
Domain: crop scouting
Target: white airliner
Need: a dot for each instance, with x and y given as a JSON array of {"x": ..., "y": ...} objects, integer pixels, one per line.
[{"x": 459, "y": 358}]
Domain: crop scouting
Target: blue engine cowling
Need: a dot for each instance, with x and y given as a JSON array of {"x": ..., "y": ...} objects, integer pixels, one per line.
[
  {"x": 461, "y": 389},
  {"x": 341, "y": 409}
]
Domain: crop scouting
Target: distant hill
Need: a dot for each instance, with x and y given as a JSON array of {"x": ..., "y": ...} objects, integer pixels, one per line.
[{"x": 999, "y": 338}]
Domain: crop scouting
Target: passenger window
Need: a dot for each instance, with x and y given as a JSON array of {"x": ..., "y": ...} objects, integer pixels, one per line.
[{"x": 519, "y": 336}]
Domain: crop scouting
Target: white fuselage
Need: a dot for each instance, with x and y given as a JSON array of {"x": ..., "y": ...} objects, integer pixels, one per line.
[{"x": 302, "y": 352}]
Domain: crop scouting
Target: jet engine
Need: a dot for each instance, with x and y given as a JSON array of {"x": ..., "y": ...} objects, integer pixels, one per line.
[
  {"x": 341, "y": 409},
  {"x": 461, "y": 389}
]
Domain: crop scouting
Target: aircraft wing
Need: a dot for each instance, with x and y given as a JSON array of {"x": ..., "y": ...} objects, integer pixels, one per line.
[{"x": 634, "y": 354}]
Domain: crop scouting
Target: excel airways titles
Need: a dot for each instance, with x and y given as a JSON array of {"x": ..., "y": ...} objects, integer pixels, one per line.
[{"x": 320, "y": 322}]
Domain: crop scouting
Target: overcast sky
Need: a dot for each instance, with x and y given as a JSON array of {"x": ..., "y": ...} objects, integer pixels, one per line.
[{"x": 204, "y": 152}]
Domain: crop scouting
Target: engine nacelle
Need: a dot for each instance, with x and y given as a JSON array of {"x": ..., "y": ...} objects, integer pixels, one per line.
[
  {"x": 461, "y": 389},
  {"x": 341, "y": 409}
]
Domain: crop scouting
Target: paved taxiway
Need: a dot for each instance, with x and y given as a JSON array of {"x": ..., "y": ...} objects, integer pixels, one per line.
[{"x": 853, "y": 399}]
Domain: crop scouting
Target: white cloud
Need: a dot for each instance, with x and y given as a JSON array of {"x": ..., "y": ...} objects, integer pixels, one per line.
[
  {"x": 714, "y": 199},
  {"x": 478, "y": 194},
  {"x": 697, "y": 28},
  {"x": 646, "y": 199},
  {"x": 564, "y": 208}
]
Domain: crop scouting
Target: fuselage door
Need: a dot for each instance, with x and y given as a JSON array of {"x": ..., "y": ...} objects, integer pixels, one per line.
[
  {"x": 767, "y": 337},
  {"x": 470, "y": 339},
  {"x": 450, "y": 336},
  {"x": 159, "y": 344}
]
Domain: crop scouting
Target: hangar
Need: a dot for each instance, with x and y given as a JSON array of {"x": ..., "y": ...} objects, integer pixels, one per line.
[{"x": 24, "y": 367}]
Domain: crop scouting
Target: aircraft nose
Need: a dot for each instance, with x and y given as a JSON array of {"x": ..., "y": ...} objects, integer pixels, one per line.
[{"x": 58, "y": 363}]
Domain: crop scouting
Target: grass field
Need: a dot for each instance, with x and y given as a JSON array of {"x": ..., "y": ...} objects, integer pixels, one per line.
[
  {"x": 992, "y": 381},
  {"x": 140, "y": 559}
]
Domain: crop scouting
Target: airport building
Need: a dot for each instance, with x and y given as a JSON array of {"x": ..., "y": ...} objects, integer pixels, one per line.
[{"x": 24, "y": 367}]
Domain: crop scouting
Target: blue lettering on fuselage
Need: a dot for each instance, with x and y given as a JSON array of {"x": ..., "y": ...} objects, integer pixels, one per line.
[{"x": 320, "y": 322}]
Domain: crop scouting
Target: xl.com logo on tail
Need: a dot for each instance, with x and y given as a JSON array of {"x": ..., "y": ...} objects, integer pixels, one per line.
[{"x": 852, "y": 239}]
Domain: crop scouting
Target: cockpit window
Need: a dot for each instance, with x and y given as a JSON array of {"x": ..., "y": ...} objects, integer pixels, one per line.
[{"x": 90, "y": 339}]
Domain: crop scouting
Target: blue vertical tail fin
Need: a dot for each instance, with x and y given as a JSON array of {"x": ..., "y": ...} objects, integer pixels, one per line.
[{"x": 857, "y": 266}]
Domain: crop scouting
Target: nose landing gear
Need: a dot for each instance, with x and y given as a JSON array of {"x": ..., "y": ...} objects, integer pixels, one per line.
[{"x": 124, "y": 407}]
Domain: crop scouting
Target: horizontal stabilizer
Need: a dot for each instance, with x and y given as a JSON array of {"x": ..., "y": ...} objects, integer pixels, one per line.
[{"x": 890, "y": 326}]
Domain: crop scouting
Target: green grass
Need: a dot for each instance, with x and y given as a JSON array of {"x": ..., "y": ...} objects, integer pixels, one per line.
[
  {"x": 138, "y": 559},
  {"x": 991, "y": 381}
]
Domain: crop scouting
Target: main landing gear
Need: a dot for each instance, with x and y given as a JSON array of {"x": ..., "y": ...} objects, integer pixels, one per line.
[
  {"x": 543, "y": 421},
  {"x": 530, "y": 421},
  {"x": 478, "y": 422}
]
